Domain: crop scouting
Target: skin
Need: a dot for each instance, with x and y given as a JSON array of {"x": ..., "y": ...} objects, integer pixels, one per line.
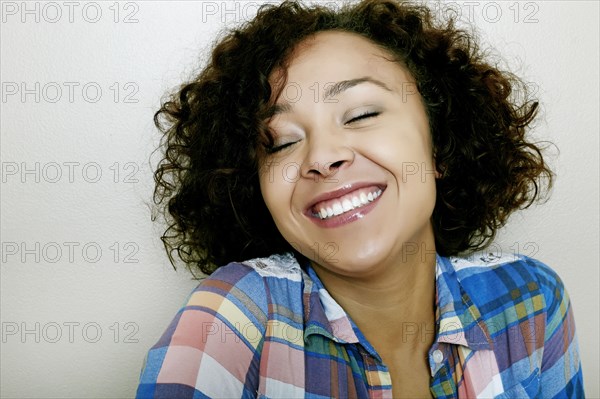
[{"x": 380, "y": 266}]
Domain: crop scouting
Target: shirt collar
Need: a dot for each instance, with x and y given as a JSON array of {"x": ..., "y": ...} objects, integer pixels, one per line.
[
  {"x": 458, "y": 319},
  {"x": 322, "y": 314}
]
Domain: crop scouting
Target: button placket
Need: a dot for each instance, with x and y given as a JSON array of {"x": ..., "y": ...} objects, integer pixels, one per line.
[
  {"x": 438, "y": 356},
  {"x": 373, "y": 365}
]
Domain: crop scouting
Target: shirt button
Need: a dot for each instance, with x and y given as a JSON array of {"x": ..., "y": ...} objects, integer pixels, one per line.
[{"x": 438, "y": 356}]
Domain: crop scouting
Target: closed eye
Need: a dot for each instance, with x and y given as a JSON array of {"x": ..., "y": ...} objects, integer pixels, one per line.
[
  {"x": 274, "y": 149},
  {"x": 366, "y": 115}
]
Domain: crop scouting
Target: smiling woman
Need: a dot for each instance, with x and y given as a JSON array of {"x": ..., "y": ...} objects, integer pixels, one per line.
[{"x": 351, "y": 156}]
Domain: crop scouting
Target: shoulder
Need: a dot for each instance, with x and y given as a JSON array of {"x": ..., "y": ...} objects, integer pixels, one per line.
[
  {"x": 213, "y": 345},
  {"x": 245, "y": 290},
  {"x": 507, "y": 271},
  {"x": 513, "y": 282},
  {"x": 528, "y": 312},
  {"x": 259, "y": 279}
]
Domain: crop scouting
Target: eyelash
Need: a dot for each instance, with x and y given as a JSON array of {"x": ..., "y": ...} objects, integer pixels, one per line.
[
  {"x": 366, "y": 115},
  {"x": 273, "y": 150}
]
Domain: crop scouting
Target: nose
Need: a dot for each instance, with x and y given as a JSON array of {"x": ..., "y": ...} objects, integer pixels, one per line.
[{"x": 327, "y": 154}]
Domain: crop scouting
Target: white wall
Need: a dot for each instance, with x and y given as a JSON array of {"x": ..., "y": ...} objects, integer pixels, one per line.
[{"x": 78, "y": 324}]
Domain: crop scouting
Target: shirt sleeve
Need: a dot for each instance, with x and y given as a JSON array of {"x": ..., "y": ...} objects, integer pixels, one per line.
[
  {"x": 561, "y": 375},
  {"x": 211, "y": 349}
]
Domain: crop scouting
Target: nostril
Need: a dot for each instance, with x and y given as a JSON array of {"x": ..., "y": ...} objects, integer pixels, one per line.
[{"x": 336, "y": 165}]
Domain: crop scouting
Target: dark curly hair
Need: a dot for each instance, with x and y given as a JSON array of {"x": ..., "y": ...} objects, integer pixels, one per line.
[{"x": 214, "y": 128}]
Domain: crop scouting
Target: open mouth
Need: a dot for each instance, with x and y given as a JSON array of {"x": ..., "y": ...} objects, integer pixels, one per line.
[{"x": 347, "y": 203}]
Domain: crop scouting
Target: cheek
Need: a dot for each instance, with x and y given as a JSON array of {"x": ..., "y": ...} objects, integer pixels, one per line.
[
  {"x": 404, "y": 156},
  {"x": 276, "y": 191}
]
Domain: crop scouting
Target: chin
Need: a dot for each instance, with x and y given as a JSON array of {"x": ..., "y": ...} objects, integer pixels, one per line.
[{"x": 363, "y": 261}]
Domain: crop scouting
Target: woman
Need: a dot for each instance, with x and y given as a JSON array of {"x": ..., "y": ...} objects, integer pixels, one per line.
[{"x": 336, "y": 163}]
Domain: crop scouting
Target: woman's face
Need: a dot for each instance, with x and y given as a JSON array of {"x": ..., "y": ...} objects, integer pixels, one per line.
[{"x": 351, "y": 182}]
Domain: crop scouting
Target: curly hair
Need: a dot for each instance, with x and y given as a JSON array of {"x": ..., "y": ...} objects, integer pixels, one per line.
[{"x": 214, "y": 128}]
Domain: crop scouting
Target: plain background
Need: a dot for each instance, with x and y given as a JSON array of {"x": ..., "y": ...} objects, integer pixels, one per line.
[{"x": 86, "y": 287}]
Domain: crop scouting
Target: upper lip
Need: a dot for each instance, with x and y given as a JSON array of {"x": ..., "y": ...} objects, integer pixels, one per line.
[{"x": 340, "y": 192}]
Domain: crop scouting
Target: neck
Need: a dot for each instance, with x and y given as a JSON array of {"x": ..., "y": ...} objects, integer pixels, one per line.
[{"x": 397, "y": 301}]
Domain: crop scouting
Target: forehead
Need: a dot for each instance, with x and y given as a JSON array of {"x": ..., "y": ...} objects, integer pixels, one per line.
[{"x": 331, "y": 56}]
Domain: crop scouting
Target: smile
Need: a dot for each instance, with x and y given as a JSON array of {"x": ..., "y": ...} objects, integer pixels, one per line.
[{"x": 339, "y": 206}]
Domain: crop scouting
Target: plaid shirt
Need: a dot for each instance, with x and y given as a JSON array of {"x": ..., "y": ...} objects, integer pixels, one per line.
[{"x": 268, "y": 328}]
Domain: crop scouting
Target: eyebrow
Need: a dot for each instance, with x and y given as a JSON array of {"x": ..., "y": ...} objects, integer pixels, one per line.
[
  {"x": 332, "y": 90},
  {"x": 337, "y": 88}
]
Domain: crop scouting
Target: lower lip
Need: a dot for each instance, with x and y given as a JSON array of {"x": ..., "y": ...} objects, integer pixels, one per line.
[{"x": 347, "y": 217}]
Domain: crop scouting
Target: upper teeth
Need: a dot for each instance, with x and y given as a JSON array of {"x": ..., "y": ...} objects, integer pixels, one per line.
[{"x": 348, "y": 204}]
